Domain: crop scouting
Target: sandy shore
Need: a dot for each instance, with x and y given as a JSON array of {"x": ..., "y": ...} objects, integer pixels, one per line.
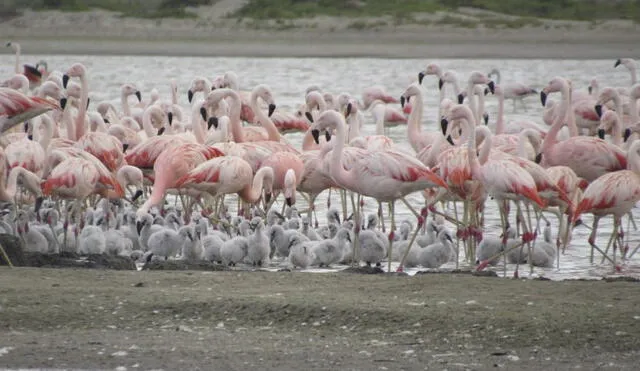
[
  {"x": 100, "y": 32},
  {"x": 102, "y": 319}
]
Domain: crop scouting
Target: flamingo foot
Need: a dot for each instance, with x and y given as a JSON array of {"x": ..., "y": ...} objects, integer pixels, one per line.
[
  {"x": 400, "y": 269},
  {"x": 516, "y": 274},
  {"x": 483, "y": 264},
  {"x": 618, "y": 268}
]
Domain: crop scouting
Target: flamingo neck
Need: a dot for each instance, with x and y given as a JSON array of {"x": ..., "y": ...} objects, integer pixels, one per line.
[
  {"x": 82, "y": 109},
  {"x": 338, "y": 172},
  {"x": 472, "y": 102},
  {"x": 561, "y": 113},
  {"x": 633, "y": 106},
  {"x": 618, "y": 103},
  {"x": 126, "y": 110},
  {"x": 174, "y": 92},
  {"x": 415, "y": 118},
  {"x": 48, "y": 131},
  {"x": 67, "y": 121},
  {"x": 251, "y": 193},
  {"x": 234, "y": 116},
  {"x": 147, "y": 126},
  {"x": 354, "y": 126},
  {"x": 474, "y": 164},
  {"x": 500, "y": 120},
  {"x": 272, "y": 131},
  {"x": 616, "y": 130},
  {"x": 308, "y": 144},
  {"x": 633, "y": 162},
  {"x": 487, "y": 142},
  {"x": 632, "y": 72},
  {"x": 197, "y": 125}
]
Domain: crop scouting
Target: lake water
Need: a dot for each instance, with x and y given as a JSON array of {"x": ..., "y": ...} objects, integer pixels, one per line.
[{"x": 289, "y": 77}]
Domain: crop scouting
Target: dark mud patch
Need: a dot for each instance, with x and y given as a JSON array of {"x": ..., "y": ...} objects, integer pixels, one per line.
[
  {"x": 363, "y": 270},
  {"x": 184, "y": 265},
  {"x": 98, "y": 261}
]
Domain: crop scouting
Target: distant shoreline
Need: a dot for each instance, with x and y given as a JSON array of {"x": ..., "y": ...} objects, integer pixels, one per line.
[{"x": 105, "y": 33}]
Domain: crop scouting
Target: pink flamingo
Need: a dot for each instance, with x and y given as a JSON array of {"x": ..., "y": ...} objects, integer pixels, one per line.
[
  {"x": 631, "y": 66},
  {"x": 515, "y": 90},
  {"x": 503, "y": 179},
  {"x": 417, "y": 138},
  {"x": 288, "y": 169},
  {"x": 173, "y": 163},
  {"x": 226, "y": 175},
  {"x": 230, "y": 80},
  {"x": 589, "y": 157},
  {"x": 17, "y": 175},
  {"x": 383, "y": 175},
  {"x": 376, "y": 92},
  {"x": 378, "y": 142},
  {"x": 314, "y": 180},
  {"x": 16, "y": 108},
  {"x": 614, "y": 193},
  {"x": 79, "y": 70}
]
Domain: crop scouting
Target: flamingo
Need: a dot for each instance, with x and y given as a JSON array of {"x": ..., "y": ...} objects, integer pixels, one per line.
[
  {"x": 383, "y": 175},
  {"x": 515, "y": 90},
  {"x": 370, "y": 142},
  {"x": 376, "y": 92},
  {"x": 288, "y": 169},
  {"x": 16, "y": 108},
  {"x": 417, "y": 138},
  {"x": 589, "y": 157},
  {"x": 629, "y": 63},
  {"x": 225, "y": 175},
  {"x": 80, "y": 71},
  {"x": 614, "y": 194}
]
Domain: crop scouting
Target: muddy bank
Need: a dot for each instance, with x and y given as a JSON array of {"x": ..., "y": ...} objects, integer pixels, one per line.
[{"x": 236, "y": 320}]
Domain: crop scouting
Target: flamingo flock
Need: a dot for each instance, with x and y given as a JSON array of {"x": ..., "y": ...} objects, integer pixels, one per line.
[{"x": 153, "y": 179}]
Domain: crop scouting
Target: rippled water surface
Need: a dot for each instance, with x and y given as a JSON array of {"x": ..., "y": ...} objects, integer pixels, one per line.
[{"x": 289, "y": 77}]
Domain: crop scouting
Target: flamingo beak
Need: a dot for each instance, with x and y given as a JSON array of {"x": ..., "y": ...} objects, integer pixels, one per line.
[
  {"x": 289, "y": 201},
  {"x": 308, "y": 116},
  {"x": 65, "y": 80},
  {"x": 170, "y": 117},
  {"x": 161, "y": 131},
  {"x": 327, "y": 136},
  {"x": 618, "y": 62},
  {"x": 450, "y": 140},
  {"x": 420, "y": 77},
  {"x": 492, "y": 87},
  {"x": 601, "y": 133},
  {"x": 627, "y": 134},
  {"x": 440, "y": 84},
  {"x": 137, "y": 195},
  {"x": 139, "y": 96},
  {"x": 444, "y": 123},
  {"x": 460, "y": 98},
  {"x": 316, "y": 136},
  {"x": 213, "y": 121},
  {"x": 590, "y": 89},
  {"x": 538, "y": 158},
  {"x": 402, "y": 101},
  {"x": 190, "y": 95},
  {"x": 486, "y": 119},
  {"x": 598, "y": 109},
  {"x": 38, "y": 205},
  {"x": 543, "y": 98},
  {"x": 267, "y": 197},
  {"x": 139, "y": 226},
  {"x": 272, "y": 109},
  {"x": 349, "y": 107},
  {"x": 203, "y": 113},
  {"x": 63, "y": 103}
]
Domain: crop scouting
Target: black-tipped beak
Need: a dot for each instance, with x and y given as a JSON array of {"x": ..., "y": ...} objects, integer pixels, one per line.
[
  {"x": 38, "y": 205},
  {"x": 315, "y": 133},
  {"x": 137, "y": 195},
  {"x": 161, "y": 131},
  {"x": 203, "y": 113},
  {"x": 65, "y": 80},
  {"x": 590, "y": 89},
  {"x": 190, "y": 95},
  {"x": 538, "y": 158},
  {"x": 189, "y": 236},
  {"x": 618, "y": 62},
  {"x": 125, "y": 147},
  {"x": 444, "y": 123},
  {"x": 403, "y": 100},
  {"x": 350, "y": 107},
  {"x": 485, "y": 116},
  {"x": 139, "y": 226},
  {"x": 272, "y": 109},
  {"x": 448, "y": 237},
  {"x": 420, "y": 77},
  {"x": 440, "y": 84},
  {"x": 477, "y": 261},
  {"x": 327, "y": 136},
  {"x": 492, "y": 87},
  {"x": 213, "y": 121},
  {"x": 308, "y": 116},
  {"x": 63, "y": 103},
  {"x": 627, "y": 134},
  {"x": 267, "y": 197},
  {"x": 139, "y": 96},
  {"x": 170, "y": 117},
  {"x": 543, "y": 98},
  {"x": 601, "y": 133},
  {"x": 26, "y": 126},
  {"x": 460, "y": 98},
  {"x": 88, "y": 101},
  {"x": 289, "y": 201},
  {"x": 450, "y": 140},
  {"x": 598, "y": 109}
]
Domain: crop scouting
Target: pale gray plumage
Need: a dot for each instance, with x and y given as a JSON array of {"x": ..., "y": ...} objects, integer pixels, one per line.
[
  {"x": 300, "y": 254},
  {"x": 438, "y": 253},
  {"x": 330, "y": 251},
  {"x": 259, "y": 249}
]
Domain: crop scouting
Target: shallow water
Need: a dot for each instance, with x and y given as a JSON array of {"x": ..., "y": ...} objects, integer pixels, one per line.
[{"x": 289, "y": 77}]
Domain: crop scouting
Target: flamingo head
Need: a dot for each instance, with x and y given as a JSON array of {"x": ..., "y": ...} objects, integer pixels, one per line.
[
  {"x": 351, "y": 108},
  {"x": 290, "y": 187},
  {"x": 432, "y": 69},
  {"x": 607, "y": 121},
  {"x": 459, "y": 112},
  {"x": 326, "y": 121},
  {"x": 216, "y": 96},
  {"x": 76, "y": 70},
  {"x": 607, "y": 94},
  {"x": 412, "y": 91},
  {"x": 479, "y": 78},
  {"x": 130, "y": 89},
  {"x": 555, "y": 85},
  {"x": 264, "y": 92},
  {"x": 316, "y": 100},
  {"x": 630, "y": 63},
  {"x": 343, "y": 99}
]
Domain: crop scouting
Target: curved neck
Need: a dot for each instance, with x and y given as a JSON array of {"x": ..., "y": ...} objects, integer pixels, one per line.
[
  {"x": 48, "y": 131},
  {"x": 67, "y": 120},
  {"x": 633, "y": 106},
  {"x": 634, "y": 159},
  {"x": 308, "y": 144},
  {"x": 354, "y": 126},
  {"x": 616, "y": 130},
  {"x": 147, "y": 126},
  {"x": 487, "y": 140},
  {"x": 29, "y": 181},
  {"x": 480, "y": 113},
  {"x": 82, "y": 109},
  {"x": 234, "y": 116},
  {"x": 264, "y": 120},
  {"x": 338, "y": 172},
  {"x": 474, "y": 164},
  {"x": 472, "y": 102},
  {"x": 251, "y": 193},
  {"x": 126, "y": 110},
  {"x": 197, "y": 125}
]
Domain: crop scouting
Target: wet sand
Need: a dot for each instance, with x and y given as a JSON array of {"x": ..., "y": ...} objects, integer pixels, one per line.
[{"x": 102, "y": 319}]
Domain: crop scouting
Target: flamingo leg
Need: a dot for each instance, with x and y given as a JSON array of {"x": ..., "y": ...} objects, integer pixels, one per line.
[
  {"x": 356, "y": 230},
  {"x": 381, "y": 217},
  {"x": 413, "y": 238},
  {"x": 391, "y": 234}
]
